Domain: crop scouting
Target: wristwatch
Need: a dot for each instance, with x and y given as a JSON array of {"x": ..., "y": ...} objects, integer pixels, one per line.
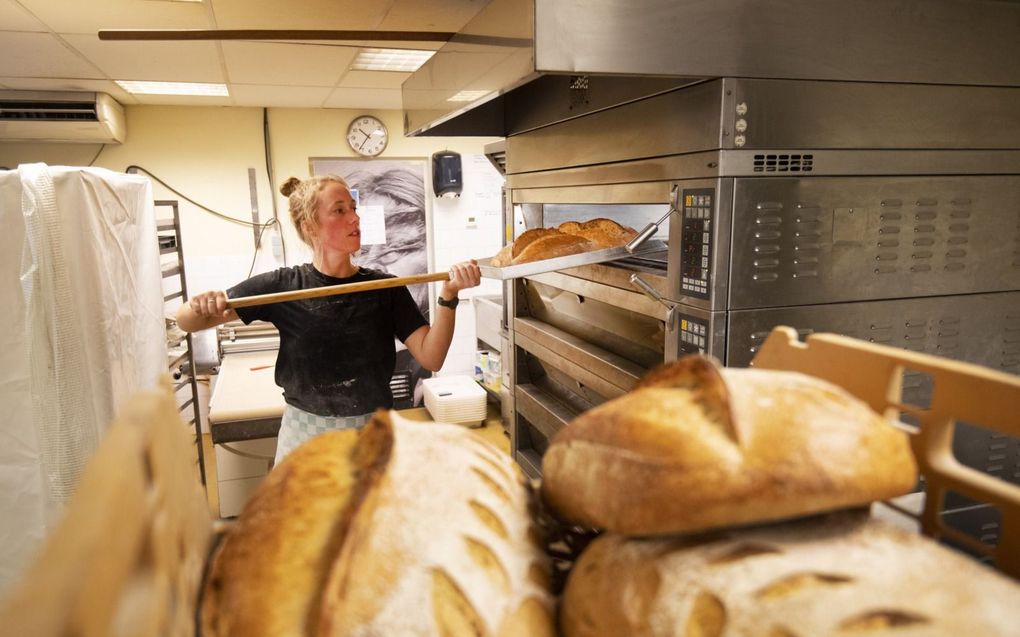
[{"x": 452, "y": 303}]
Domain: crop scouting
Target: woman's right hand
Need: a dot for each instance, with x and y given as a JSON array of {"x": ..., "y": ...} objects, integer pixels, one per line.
[
  {"x": 212, "y": 304},
  {"x": 204, "y": 310}
]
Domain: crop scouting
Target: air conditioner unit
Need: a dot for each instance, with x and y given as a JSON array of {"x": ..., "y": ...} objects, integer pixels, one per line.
[{"x": 47, "y": 116}]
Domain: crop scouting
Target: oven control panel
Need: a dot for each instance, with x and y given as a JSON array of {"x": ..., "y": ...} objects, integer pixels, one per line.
[
  {"x": 694, "y": 335},
  {"x": 696, "y": 241}
]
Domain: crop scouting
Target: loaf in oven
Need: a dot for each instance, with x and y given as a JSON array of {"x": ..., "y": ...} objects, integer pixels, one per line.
[
  {"x": 570, "y": 237},
  {"x": 695, "y": 446},
  {"x": 402, "y": 528},
  {"x": 840, "y": 575}
]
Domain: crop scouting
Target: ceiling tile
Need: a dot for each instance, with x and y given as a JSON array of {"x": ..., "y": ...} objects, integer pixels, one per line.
[
  {"x": 286, "y": 96},
  {"x": 90, "y": 16},
  {"x": 299, "y": 14},
  {"x": 41, "y": 55},
  {"x": 280, "y": 63},
  {"x": 185, "y": 100},
  {"x": 156, "y": 61},
  {"x": 373, "y": 79},
  {"x": 374, "y": 98},
  {"x": 14, "y": 17},
  {"x": 49, "y": 84}
]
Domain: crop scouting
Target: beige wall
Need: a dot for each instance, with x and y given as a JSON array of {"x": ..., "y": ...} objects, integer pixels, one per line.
[{"x": 205, "y": 153}]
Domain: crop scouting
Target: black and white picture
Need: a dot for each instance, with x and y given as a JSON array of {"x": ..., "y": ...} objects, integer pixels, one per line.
[{"x": 391, "y": 203}]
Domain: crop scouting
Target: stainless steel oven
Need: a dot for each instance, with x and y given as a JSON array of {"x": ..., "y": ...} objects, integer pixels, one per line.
[{"x": 793, "y": 203}]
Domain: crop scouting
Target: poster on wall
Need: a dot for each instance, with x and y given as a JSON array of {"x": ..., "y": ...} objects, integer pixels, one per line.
[{"x": 391, "y": 204}]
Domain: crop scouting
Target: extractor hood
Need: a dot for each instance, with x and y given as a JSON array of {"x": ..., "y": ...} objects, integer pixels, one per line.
[{"x": 522, "y": 64}]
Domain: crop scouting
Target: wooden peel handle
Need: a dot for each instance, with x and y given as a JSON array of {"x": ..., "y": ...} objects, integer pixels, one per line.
[{"x": 331, "y": 290}]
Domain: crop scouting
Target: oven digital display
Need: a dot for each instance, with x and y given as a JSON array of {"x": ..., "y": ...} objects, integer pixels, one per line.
[{"x": 696, "y": 241}]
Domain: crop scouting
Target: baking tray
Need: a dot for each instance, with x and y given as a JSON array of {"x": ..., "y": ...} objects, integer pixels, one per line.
[{"x": 570, "y": 261}]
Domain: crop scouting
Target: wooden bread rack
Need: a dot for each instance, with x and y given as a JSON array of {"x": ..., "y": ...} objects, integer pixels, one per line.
[
  {"x": 960, "y": 392},
  {"x": 128, "y": 557}
]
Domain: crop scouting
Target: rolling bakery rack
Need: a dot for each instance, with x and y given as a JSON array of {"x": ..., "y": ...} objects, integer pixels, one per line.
[{"x": 139, "y": 572}]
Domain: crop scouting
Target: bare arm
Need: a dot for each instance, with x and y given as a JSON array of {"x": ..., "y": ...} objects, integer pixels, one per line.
[
  {"x": 429, "y": 345},
  {"x": 203, "y": 311}
]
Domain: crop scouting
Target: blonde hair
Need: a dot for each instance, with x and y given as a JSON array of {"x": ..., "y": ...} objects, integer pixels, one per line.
[{"x": 303, "y": 199}]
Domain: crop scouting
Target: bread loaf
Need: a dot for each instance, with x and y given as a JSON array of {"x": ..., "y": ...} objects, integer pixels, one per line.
[
  {"x": 694, "y": 447},
  {"x": 268, "y": 574},
  {"x": 551, "y": 246},
  {"x": 414, "y": 529},
  {"x": 604, "y": 233},
  {"x": 570, "y": 237},
  {"x": 839, "y": 575}
]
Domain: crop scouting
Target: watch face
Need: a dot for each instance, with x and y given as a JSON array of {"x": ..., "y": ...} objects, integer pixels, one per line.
[{"x": 367, "y": 136}]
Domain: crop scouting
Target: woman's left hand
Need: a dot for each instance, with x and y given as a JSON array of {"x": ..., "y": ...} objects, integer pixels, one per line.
[{"x": 462, "y": 276}]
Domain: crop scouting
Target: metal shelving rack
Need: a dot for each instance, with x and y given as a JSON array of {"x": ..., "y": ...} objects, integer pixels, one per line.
[{"x": 181, "y": 366}]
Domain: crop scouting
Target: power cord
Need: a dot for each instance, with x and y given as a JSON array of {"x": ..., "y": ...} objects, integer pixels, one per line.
[
  {"x": 258, "y": 243},
  {"x": 100, "y": 152},
  {"x": 242, "y": 222},
  {"x": 266, "y": 137}
]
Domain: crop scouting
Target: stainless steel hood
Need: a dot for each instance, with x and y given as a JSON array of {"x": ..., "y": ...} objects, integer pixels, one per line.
[{"x": 522, "y": 64}]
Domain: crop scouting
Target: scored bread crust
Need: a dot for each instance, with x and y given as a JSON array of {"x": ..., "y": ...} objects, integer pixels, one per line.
[
  {"x": 840, "y": 574},
  {"x": 696, "y": 447},
  {"x": 444, "y": 547},
  {"x": 570, "y": 237},
  {"x": 551, "y": 246},
  {"x": 602, "y": 232},
  {"x": 528, "y": 237},
  {"x": 266, "y": 575}
]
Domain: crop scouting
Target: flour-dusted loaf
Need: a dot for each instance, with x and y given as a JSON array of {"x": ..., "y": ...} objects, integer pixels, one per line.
[
  {"x": 694, "y": 446},
  {"x": 267, "y": 576},
  {"x": 437, "y": 542},
  {"x": 839, "y": 575}
]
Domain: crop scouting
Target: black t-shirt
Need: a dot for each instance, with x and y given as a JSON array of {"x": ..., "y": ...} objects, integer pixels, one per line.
[{"x": 336, "y": 352}]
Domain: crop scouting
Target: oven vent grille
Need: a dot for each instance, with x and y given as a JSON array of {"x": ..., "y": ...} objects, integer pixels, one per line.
[{"x": 783, "y": 163}]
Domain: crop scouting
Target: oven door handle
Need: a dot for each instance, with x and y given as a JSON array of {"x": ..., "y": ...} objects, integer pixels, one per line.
[
  {"x": 653, "y": 294},
  {"x": 653, "y": 227}
]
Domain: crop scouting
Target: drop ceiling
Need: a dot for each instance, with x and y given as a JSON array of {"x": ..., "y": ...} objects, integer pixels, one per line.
[{"x": 53, "y": 45}]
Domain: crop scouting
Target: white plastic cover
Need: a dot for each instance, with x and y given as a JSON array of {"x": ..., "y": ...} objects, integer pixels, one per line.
[{"x": 82, "y": 328}]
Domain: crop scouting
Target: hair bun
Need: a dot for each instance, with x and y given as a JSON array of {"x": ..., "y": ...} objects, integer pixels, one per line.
[{"x": 290, "y": 186}]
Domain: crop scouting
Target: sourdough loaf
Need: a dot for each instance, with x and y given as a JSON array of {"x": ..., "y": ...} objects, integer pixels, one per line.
[
  {"x": 604, "y": 233},
  {"x": 694, "y": 446},
  {"x": 551, "y": 246},
  {"x": 838, "y": 575},
  {"x": 427, "y": 533},
  {"x": 570, "y": 237},
  {"x": 267, "y": 576}
]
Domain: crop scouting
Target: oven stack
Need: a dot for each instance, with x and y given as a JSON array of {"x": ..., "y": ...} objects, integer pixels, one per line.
[{"x": 886, "y": 212}]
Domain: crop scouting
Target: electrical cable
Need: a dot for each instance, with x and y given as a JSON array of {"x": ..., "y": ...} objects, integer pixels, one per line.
[
  {"x": 101, "y": 149},
  {"x": 266, "y": 144},
  {"x": 258, "y": 244},
  {"x": 193, "y": 202}
]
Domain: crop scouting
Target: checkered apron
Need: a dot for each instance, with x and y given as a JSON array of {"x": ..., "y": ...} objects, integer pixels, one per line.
[{"x": 298, "y": 426}]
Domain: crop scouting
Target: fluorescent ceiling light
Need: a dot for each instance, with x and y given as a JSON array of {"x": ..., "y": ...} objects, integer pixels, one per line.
[
  {"x": 173, "y": 88},
  {"x": 406, "y": 60},
  {"x": 467, "y": 96}
]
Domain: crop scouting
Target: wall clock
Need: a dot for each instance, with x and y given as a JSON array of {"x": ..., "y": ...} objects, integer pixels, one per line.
[{"x": 367, "y": 136}]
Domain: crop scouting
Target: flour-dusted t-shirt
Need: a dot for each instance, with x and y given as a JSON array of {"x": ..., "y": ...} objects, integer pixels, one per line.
[{"x": 336, "y": 352}]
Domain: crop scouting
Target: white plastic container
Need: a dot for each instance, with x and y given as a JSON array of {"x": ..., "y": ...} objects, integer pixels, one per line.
[{"x": 455, "y": 399}]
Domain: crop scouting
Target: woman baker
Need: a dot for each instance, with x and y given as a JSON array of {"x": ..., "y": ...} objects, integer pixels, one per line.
[{"x": 337, "y": 352}]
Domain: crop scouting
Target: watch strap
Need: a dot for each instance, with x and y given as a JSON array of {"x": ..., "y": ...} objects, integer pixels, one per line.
[{"x": 452, "y": 303}]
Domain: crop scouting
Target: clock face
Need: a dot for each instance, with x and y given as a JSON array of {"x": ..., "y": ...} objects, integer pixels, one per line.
[{"x": 367, "y": 136}]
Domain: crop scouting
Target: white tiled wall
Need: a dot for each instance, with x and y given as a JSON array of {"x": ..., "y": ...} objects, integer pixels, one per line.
[{"x": 468, "y": 227}]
